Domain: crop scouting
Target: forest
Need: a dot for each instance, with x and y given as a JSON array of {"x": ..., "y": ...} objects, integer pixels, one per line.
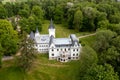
[{"x": 99, "y": 16}]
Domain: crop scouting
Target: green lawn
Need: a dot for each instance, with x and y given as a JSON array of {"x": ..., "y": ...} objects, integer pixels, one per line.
[{"x": 45, "y": 69}]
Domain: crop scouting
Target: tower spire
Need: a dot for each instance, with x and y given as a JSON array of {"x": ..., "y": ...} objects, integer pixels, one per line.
[
  {"x": 51, "y": 26},
  {"x": 37, "y": 31}
]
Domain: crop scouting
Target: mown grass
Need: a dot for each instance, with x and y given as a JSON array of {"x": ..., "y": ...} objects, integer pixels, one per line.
[
  {"x": 90, "y": 40},
  {"x": 44, "y": 69}
]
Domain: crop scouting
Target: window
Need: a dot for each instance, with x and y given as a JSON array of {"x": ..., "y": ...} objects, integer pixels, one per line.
[
  {"x": 69, "y": 57},
  {"x": 65, "y": 49},
  {"x": 77, "y": 49},
  {"x": 77, "y": 54},
  {"x": 73, "y": 54},
  {"x": 73, "y": 58},
  {"x": 68, "y": 48},
  {"x": 63, "y": 55},
  {"x": 73, "y": 49},
  {"x": 76, "y": 57},
  {"x": 52, "y": 54},
  {"x": 52, "y": 49}
]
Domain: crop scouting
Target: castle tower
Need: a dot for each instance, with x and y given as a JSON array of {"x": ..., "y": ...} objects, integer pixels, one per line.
[
  {"x": 51, "y": 29},
  {"x": 37, "y": 32}
]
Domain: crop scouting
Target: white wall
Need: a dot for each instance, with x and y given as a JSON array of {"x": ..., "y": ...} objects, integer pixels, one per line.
[{"x": 52, "y": 32}]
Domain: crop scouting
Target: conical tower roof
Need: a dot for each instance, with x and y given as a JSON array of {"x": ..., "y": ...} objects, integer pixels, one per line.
[
  {"x": 37, "y": 31},
  {"x": 51, "y": 26},
  {"x": 31, "y": 35}
]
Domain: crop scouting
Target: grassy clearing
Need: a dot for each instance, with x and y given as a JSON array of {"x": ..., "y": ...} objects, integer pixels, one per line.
[
  {"x": 88, "y": 40},
  {"x": 41, "y": 71}
]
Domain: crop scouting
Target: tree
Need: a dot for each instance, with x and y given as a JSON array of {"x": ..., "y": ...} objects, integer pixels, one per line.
[
  {"x": 109, "y": 56},
  {"x": 88, "y": 58},
  {"x": 9, "y": 9},
  {"x": 1, "y": 56},
  {"x": 103, "y": 24},
  {"x": 30, "y": 24},
  {"x": 101, "y": 72},
  {"x": 115, "y": 28},
  {"x": 78, "y": 17},
  {"x": 115, "y": 18},
  {"x": 70, "y": 18},
  {"x": 9, "y": 38},
  {"x": 116, "y": 42},
  {"x": 28, "y": 54},
  {"x": 23, "y": 13},
  {"x": 3, "y": 12},
  {"x": 37, "y": 11},
  {"x": 103, "y": 40},
  {"x": 58, "y": 14},
  {"x": 89, "y": 14}
]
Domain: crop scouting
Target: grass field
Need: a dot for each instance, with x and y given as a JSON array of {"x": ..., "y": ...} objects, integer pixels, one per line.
[{"x": 45, "y": 69}]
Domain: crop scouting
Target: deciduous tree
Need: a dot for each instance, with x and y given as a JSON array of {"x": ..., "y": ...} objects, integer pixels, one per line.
[
  {"x": 28, "y": 55},
  {"x": 78, "y": 18}
]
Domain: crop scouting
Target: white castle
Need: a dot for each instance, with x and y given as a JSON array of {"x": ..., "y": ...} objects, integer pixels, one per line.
[{"x": 62, "y": 49}]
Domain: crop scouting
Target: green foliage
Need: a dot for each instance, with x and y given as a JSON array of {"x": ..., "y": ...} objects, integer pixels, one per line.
[
  {"x": 103, "y": 24},
  {"x": 30, "y": 24},
  {"x": 101, "y": 72},
  {"x": 116, "y": 43},
  {"x": 28, "y": 55},
  {"x": 23, "y": 13},
  {"x": 58, "y": 16},
  {"x": 9, "y": 38},
  {"x": 37, "y": 11},
  {"x": 89, "y": 16},
  {"x": 103, "y": 39},
  {"x": 9, "y": 9},
  {"x": 3, "y": 13},
  {"x": 88, "y": 57},
  {"x": 78, "y": 17},
  {"x": 115, "y": 28}
]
